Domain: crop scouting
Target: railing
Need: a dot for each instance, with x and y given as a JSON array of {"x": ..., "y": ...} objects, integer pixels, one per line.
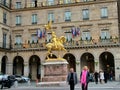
[
  {"x": 73, "y": 43},
  {"x": 5, "y": 46}
]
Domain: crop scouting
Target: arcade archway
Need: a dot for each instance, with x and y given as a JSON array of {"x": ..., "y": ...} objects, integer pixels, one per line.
[
  {"x": 87, "y": 59},
  {"x": 106, "y": 62},
  {"x": 34, "y": 67},
  {"x": 3, "y": 64},
  {"x": 18, "y": 66},
  {"x": 71, "y": 60}
]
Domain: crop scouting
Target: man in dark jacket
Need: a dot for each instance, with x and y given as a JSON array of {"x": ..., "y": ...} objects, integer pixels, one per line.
[
  {"x": 96, "y": 75},
  {"x": 72, "y": 79}
]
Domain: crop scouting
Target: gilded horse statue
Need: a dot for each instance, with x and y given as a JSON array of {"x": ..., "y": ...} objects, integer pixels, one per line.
[{"x": 56, "y": 44}]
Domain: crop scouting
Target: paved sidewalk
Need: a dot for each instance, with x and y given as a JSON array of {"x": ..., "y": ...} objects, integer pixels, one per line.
[{"x": 109, "y": 84}]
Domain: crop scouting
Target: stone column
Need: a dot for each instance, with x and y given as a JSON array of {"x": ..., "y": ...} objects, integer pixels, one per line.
[
  {"x": 117, "y": 69},
  {"x": 9, "y": 68},
  {"x": 1, "y": 34},
  {"x": 96, "y": 64},
  {"x": 78, "y": 71},
  {"x": 42, "y": 70},
  {"x": 26, "y": 69}
]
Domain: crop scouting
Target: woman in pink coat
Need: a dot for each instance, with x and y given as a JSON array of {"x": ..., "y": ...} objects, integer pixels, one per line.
[{"x": 84, "y": 78}]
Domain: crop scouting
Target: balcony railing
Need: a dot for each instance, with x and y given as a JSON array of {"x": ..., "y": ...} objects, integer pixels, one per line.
[
  {"x": 72, "y": 43},
  {"x": 5, "y": 46}
]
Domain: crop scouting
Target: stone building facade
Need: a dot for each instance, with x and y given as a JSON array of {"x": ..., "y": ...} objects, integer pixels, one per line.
[{"x": 91, "y": 28}]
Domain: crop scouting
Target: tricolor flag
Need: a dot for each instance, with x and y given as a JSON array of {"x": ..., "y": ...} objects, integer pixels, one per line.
[
  {"x": 73, "y": 30},
  {"x": 38, "y": 33},
  {"x": 44, "y": 33},
  {"x": 78, "y": 30}
]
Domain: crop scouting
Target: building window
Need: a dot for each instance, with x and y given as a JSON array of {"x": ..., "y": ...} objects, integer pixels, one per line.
[
  {"x": 67, "y": 1},
  {"x": 4, "y": 40},
  {"x": 86, "y": 35},
  {"x": 105, "y": 34},
  {"x": 18, "y": 5},
  {"x": 49, "y": 36},
  {"x": 68, "y": 36},
  {"x": 34, "y": 18},
  {"x": 67, "y": 16},
  {"x": 85, "y": 0},
  {"x": 4, "y": 18},
  {"x": 18, "y": 39},
  {"x": 104, "y": 12},
  {"x": 51, "y": 16},
  {"x": 85, "y": 13},
  {"x": 4, "y": 3},
  {"x": 50, "y": 2},
  {"x": 34, "y": 38},
  {"x": 18, "y": 20}
]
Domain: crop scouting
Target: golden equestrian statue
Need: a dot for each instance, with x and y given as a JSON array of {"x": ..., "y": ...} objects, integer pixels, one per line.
[{"x": 56, "y": 43}]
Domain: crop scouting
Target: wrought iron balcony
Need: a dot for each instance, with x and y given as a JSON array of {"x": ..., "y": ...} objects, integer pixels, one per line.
[
  {"x": 5, "y": 45},
  {"x": 72, "y": 44}
]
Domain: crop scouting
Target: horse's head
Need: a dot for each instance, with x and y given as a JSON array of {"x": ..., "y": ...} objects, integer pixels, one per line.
[{"x": 62, "y": 39}]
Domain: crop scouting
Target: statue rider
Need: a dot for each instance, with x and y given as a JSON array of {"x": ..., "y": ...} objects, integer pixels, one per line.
[{"x": 54, "y": 39}]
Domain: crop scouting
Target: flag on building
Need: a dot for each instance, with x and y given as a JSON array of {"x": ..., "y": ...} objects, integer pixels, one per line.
[
  {"x": 78, "y": 30},
  {"x": 74, "y": 31},
  {"x": 41, "y": 34},
  {"x": 38, "y": 33},
  {"x": 44, "y": 33}
]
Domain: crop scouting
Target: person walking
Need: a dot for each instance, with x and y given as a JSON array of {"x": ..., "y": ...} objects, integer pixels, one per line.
[
  {"x": 72, "y": 79},
  {"x": 84, "y": 78},
  {"x": 96, "y": 75},
  {"x": 105, "y": 76},
  {"x": 101, "y": 77}
]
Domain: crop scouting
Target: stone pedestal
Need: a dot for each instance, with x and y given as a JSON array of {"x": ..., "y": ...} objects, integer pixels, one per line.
[{"x": 55, "y": 72}]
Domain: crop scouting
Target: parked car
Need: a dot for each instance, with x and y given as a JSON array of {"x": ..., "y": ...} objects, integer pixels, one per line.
[
  {"x": 21, "y": 78},
  {"x": 1, "y": 77},
  {"x": 7, "y": 81}
]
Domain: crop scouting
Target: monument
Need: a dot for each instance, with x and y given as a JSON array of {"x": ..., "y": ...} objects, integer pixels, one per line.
[{"x": 55, "y": 69}]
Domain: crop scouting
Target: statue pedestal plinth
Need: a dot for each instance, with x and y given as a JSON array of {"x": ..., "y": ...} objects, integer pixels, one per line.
[{"x": 55, "y": 72}]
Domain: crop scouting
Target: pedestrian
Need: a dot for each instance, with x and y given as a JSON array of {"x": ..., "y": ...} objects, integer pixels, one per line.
[
  {"x": 101, "y": 74},
  {"x": 111, "y": 76},
  {"x": 84, "y": 78},
  {"x": 72, "y": 79},
  {"x": 105, "y": 76},
  {"x": 96, "y": 75}
]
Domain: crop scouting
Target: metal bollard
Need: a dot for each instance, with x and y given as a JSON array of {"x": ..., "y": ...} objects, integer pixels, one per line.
[{"x": 29, "y": 83}]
